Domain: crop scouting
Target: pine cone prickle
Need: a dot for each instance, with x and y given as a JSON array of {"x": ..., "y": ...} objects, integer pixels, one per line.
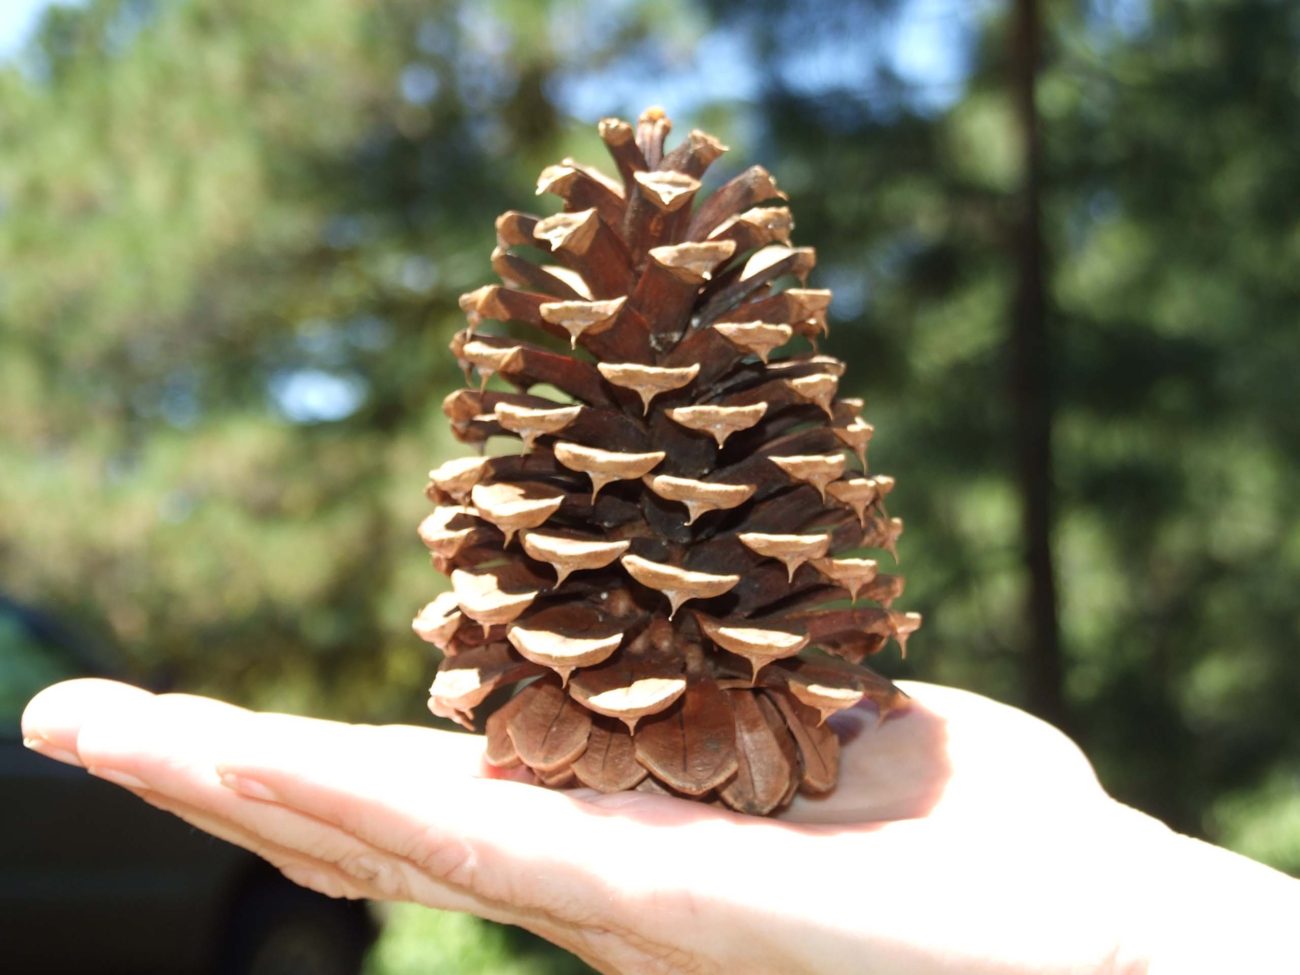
[{"x": 668, "y": 569}]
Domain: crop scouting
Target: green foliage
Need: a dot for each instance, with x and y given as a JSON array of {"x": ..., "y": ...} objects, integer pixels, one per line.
[
  {"x": 207, "y": 203},
  {"x": 423, "y": 942},
  {"x": 1178, "y": 301},
  {"x": 1171, "y": 246}
]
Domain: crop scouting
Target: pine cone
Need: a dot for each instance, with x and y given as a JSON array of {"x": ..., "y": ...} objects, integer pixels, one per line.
[{"x": 653, "y": 565}]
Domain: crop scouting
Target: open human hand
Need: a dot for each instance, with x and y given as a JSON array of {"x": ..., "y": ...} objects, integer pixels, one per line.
[{"x": 964, "y": 837}]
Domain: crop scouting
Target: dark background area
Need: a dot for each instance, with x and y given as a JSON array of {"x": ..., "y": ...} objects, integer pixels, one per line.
[{"x": 1064, "y": 240}]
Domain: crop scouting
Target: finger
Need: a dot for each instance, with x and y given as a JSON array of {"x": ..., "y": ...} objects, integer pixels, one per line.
[
  {"x": 497, "y": 858},
  {"x": 639, "y": 867},
  {"x": 169, "y": 744},
  {"x": 53, "y": 718},
  {"x": 323, "y": 877},
  {"x": 122, "y": 746},
  {"x": 630, "y": 879},
  {"x": 164, "y": 750},
  {"x": 483, "y": 835},
  {"x": 57, "y": 715},
  {"x": 311, "y": 853}
]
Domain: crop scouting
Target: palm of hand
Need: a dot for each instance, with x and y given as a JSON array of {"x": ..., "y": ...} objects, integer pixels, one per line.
[{"x": 964, "y": 837}]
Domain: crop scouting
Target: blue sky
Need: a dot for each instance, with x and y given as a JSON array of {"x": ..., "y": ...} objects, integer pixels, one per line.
[
  {"x": 926, "y": 46},
  {"x": 17, "y": 20},
  {"x": 925, "y": 43}
]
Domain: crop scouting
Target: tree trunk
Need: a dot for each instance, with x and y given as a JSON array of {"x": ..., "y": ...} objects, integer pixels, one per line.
[{"x": 1031, "y": 396}]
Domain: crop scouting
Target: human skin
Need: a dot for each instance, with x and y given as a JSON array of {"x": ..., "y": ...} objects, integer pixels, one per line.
[{"x": 964, "y": 837}]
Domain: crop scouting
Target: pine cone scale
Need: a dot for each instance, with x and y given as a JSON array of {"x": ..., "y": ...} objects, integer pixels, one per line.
[
  {"x": 609, "y": 764},
  {"x": 691, "y": 747},
  {"x": 766, "y": 759}
]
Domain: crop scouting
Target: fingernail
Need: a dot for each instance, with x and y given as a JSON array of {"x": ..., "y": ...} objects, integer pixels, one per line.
[
  {"x": 315, "y": 879},
  {"x": 248, "y": 787},
  {"x": 125, "y": 779},
  {"x": 42, "y": 746}
]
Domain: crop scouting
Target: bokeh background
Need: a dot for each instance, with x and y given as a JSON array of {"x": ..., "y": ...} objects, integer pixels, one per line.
[{"x": 1064, "y": 239}]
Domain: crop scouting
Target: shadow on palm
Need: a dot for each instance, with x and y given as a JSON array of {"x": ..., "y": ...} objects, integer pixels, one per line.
[{"x": 950, "y": 753}]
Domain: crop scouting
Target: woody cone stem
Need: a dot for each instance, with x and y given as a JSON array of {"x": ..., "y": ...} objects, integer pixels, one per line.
[{"x": 670, "y": 567}]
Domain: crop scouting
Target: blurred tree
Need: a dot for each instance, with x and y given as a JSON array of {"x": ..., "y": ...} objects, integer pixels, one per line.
[
  {"x": 1168, "y": 167},
  {"x": 1172, "y": 146},
  {"x": 1030, "y": 376},
  {"x": 233, "y": 240}
]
